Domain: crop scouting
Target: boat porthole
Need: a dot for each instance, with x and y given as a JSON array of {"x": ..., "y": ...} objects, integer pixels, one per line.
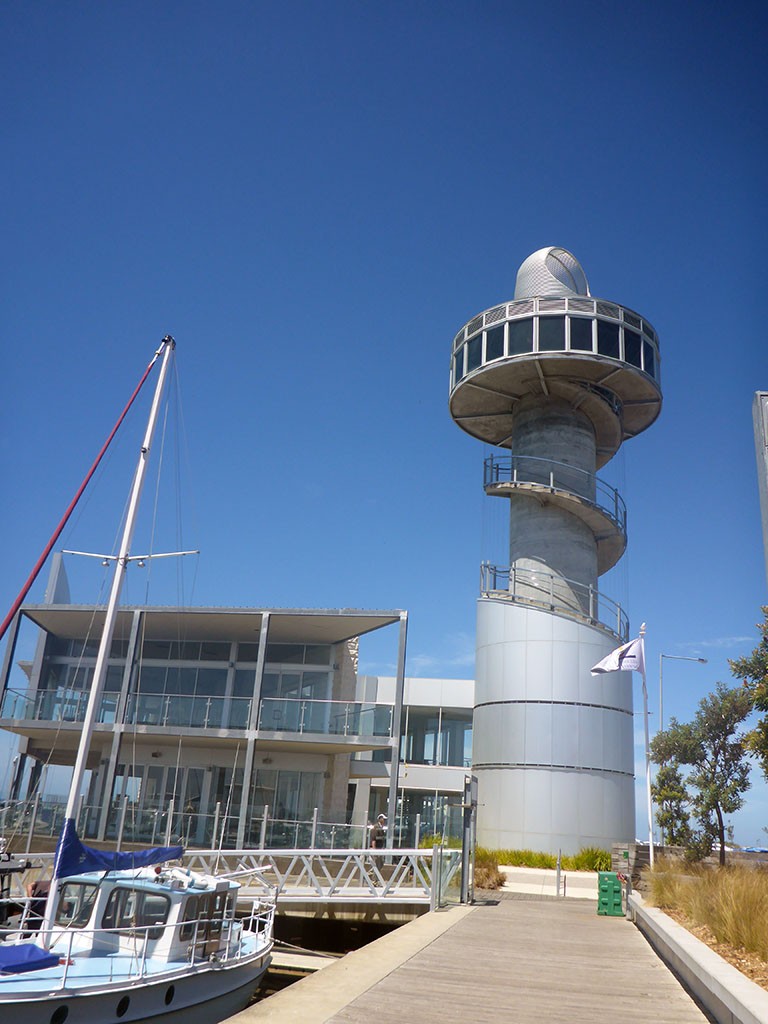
[
  {"x": 122, "y": 1006},
  {"x": 60, "y": 1014},
  {"x": 170, "y": 992}
]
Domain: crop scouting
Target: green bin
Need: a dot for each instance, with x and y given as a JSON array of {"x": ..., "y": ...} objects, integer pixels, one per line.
[{"x": 609, "y": 894}]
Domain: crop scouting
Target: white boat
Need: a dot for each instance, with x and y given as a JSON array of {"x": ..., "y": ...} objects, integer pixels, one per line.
[{"x": 128, "y": 936}]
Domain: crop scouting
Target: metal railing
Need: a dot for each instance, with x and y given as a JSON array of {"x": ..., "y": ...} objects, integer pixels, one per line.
[
  {"x": 546, "y": 590},
  {"x": 429, "y": 877},
  {"x": 140, "y": 940},
  {"x": 342, "y": 875},
  {"x": 559, "y": 476}
]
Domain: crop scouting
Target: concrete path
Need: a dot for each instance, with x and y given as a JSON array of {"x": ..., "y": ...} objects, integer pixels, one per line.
[
  {"x": 580, "y": 885},
  {"x": 520, "y": 960}
]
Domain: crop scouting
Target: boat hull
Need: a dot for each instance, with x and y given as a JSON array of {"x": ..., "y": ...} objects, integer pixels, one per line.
[{"x": 204, "y": 994}]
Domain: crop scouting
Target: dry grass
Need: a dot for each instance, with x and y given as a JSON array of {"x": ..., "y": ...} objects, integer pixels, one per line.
[{"x": 729, "y": 903}]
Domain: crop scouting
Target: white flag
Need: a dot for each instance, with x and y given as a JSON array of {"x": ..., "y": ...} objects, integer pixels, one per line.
[{"x": 628, "y": 658}]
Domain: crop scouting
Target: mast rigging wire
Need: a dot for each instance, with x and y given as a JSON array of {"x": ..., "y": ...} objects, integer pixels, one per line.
[{"x": 71, "y": 507}]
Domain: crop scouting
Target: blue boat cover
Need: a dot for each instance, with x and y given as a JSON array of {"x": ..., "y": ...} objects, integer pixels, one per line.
[
  {"x": 25, "y": 957},
  {"x": 73, "y": 857}
]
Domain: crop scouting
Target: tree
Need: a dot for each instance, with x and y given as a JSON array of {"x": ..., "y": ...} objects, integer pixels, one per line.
[
  {"x": 714, "y": 749},
  {"x": 753, "y": 669},
  {"x": 672, "y": 801}
]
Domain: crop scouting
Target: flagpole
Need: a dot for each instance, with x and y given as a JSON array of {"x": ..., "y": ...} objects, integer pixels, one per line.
[{"x": 647, "y": 752}]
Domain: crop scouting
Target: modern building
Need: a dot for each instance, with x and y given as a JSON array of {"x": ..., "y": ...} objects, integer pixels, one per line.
[
  {"x": 435, "y": 756},
  {"x": 232, "y": 725},
  {"x": 559, "y": 379},
  {"x": 240, "y": 726}
]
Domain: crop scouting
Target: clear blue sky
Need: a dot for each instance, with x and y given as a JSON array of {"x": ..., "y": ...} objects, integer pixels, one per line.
[{"x": 313, "y": 198}]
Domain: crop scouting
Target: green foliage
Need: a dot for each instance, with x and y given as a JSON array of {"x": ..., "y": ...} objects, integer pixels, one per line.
[
  {"x": 589, "y": 859},
  {"x": 753, "y": 669},
  {"x": 525, "y": 859},
  {"x": 714, "y": 749},
  {"x": 671, "y": 799},
  {"x": 450, "y": 842},
  {"x": 487, "y": 874}
]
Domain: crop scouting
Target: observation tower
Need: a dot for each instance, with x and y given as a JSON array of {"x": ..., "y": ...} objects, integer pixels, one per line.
[{"x": 559, "y": 380}]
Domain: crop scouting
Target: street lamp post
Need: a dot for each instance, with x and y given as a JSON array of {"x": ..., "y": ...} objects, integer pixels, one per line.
[{"x": 673, "y": 657}]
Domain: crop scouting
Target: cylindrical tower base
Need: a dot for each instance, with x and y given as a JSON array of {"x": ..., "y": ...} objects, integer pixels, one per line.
[{"x": 554, "y": 744}]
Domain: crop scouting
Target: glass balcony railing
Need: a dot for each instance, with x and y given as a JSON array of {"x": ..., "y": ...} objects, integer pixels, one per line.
[
  {"x": 276, "y": 714},
  {"x": 328, "y": 717}
]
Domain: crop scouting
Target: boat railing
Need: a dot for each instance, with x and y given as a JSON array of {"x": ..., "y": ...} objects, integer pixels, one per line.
[{"x": 212, "y": 936}]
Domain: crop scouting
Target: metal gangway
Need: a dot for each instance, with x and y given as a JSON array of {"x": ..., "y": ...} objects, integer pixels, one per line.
[{"x": 422, "y": 878}]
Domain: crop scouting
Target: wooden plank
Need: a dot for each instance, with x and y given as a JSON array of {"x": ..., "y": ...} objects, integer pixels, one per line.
[{"x": 530, "y": 961}]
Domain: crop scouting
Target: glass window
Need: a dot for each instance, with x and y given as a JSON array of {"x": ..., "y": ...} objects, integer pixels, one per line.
[
  {"x": 474, "y": 352},
  {"x": 245, "y": 680},
  {"x": 649, "y": 359},
  {"x": 212, "y": 681},
  {"x": 157, "y": 649},
  {"x": 608, "y": 339},
  {"x": 248, "y": 652},
  {"x": 631, "y": 347},
  {"x": 581, "y": 333},
  {"x": 520, "y": 337},
  {"x": 494, "y": 343},
  {"x": 114, "y": 678},
  {"x": 134, "y": 909},
  {"x": 458, "y": 365},
  {"x": 190, "y": 917},
  {"x": 75, "y": 904},
  {"x": 551, "y": 333},
  {"x": 290, "y": 654},
  {"x": 317, "y": 654},
  {"x": 213, "y": 651},
  {"x": 152, "y": 679}
]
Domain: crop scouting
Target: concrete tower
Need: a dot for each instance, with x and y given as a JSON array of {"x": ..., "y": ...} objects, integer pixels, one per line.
[{"x": 560, "y": 379}]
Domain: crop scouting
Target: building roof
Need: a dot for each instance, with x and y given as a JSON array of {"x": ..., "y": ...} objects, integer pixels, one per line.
[{"x": 287, "y": 625}]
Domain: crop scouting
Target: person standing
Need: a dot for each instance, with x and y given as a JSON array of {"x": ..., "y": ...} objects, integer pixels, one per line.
[{"x": 379, "y": 833}]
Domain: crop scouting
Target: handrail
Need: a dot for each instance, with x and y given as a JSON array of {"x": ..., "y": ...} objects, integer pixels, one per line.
[
  {"x": 559, "y": 476},
  {"x": 333, "y": 876},
  {"x": 541, "y": 589},
  {"x": 258, "y": 921}
]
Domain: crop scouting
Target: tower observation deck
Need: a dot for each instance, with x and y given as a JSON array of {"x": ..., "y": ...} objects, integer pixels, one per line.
[{"x": 558, "y": 379}]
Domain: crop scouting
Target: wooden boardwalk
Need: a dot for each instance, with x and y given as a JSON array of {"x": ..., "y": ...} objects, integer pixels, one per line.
[{"x": 521, "y": 960}]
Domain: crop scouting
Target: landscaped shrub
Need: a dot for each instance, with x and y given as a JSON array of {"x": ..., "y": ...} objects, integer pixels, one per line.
[{"x": 732, "y": 902}]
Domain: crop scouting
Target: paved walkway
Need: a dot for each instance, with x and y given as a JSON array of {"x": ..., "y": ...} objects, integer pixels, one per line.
[{"x": 520, "y": 960}]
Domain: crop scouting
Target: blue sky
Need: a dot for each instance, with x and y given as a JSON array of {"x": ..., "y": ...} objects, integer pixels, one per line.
[{"x": 313, "y": 198}]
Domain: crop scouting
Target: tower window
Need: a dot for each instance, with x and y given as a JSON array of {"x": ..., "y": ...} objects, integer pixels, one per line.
[
  {"x": 551, "y": 333},
  {"x": 632, "y": 347},
  {"x": 474, "y": 352},
  {"x": 581, "y": 333},
  {"x": 494, "y": 343},
  {"x": 458, "y": 365},
  {"x": 608, "y": 339},
  {"x": 520, "y": 337},
  {"x": 649, "y": 359}
]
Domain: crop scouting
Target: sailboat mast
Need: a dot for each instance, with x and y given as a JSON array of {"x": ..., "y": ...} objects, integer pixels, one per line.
[{"x": 102, "y": 658}]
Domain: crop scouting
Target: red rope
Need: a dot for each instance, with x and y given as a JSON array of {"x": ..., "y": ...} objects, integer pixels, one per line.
[{"x": 71, "y": 508}]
